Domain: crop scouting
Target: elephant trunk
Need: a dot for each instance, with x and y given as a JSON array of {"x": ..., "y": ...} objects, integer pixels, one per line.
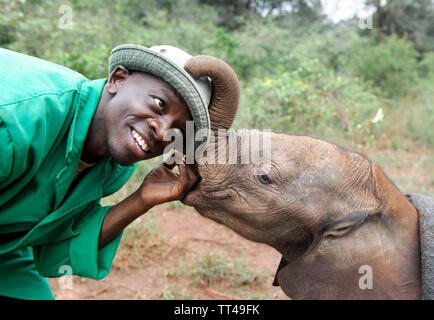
[{"x": 226, "y": 91}]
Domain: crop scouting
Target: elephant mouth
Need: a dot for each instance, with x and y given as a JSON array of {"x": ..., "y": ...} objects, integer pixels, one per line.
[
  {"x": 197, "y": 197},
  {"x": 194, "y": 197}
]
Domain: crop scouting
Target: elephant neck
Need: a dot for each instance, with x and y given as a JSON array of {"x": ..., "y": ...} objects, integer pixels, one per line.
[
  {"x": 395, "y": 260},
  {"x": 400, "y": 228}
]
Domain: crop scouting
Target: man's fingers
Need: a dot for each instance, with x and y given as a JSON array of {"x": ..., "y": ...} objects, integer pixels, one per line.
[
  {"x": 187, "y": 175},
  {"x": 184, "y": 178},
  {"x": 169, "y": 165},
  {"x": 192, "y": 175},
  {"x": 187, "y": 179}
]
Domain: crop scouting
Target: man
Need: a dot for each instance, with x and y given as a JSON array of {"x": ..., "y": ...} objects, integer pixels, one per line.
[{"x": 66, "y": 142}]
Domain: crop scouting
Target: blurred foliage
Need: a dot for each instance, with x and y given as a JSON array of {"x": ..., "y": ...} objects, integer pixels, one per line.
[
  {"x": 298, "y": 71},
  {"x": 413, "y": 19},
  {"x": 390, "y": 65},
  {"x": 312, "y": 100}
]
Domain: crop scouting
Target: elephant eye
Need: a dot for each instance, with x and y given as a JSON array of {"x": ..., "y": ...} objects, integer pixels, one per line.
[
  {"x": 339, "y": 231},
  {"x": 264, "y": 178}
]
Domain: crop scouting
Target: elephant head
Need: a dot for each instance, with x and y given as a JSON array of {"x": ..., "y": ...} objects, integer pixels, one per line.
[{"x": 344, "y": 229}]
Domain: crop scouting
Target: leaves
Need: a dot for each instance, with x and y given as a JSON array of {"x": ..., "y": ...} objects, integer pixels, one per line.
[{"x": 307, "y": 76}]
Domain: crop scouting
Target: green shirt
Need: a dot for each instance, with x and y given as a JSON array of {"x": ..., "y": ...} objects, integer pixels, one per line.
[{"x": 45, "y": 113}]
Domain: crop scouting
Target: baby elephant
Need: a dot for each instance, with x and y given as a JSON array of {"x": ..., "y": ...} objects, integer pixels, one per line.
[{"x": 344, "y": 230}]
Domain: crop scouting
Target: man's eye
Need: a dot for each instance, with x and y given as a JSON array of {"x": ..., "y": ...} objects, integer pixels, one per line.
[{"x": 159, "y": 103}]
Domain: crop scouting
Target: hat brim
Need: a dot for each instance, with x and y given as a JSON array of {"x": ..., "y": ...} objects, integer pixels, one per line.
[{"x": 139, "y": 58}]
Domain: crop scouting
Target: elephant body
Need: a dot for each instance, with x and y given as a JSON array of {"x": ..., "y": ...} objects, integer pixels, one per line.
[{"x": 425, "y": 207}]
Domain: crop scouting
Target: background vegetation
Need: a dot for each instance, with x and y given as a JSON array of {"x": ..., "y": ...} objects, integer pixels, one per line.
[{"x": 299, "y": 71}]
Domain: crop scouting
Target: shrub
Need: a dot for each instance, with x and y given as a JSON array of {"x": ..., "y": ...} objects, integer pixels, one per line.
[
  {"x": 312, "y": 100},
  {"x": 213, "y": 268},
  {"x": 391, "y": 65}
]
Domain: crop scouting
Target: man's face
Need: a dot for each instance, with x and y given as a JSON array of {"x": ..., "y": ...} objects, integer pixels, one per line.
[{"x": 141, "y": 111}]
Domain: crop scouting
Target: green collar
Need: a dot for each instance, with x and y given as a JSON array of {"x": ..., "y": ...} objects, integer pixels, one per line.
[{"x": 90, "y": 94}]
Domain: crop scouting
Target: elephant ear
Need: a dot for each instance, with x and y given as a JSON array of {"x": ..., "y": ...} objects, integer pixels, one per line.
[
  {"x": 283, "y": 263},
  {"x": 300, "y": 279},
  {"x": 319, "y": 279},
  {"x": 326, "y": 274}
]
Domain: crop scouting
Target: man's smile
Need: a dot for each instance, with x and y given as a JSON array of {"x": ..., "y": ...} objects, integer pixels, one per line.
[
  {"x": 140, "y": 140},
  {"x": 142, "y": 145}
]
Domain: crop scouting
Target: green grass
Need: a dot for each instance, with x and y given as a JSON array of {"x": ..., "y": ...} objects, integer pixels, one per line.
[
  {"x": 411, "y": 171},
  {"x": 249, "y": 295},
  {"x": 409, "y": 121},
  {"x": 174, "y": 293},
  {"x": 141, "y": 241},
  {"x": 214, "y": 268}
]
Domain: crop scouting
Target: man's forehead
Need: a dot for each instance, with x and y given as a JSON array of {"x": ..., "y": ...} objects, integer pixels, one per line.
[{"x": 154, "y": 82}]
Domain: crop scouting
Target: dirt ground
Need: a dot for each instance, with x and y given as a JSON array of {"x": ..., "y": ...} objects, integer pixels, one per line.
[
  {"x": 147, "y": 269},
  {"x": 173, "y": 253}
]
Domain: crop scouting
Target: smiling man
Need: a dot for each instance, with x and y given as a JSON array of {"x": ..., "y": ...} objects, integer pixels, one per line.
[{"x": 66, "y": 142}]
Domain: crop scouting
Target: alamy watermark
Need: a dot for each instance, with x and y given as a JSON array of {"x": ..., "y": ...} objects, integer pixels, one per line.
[
  {"x": 65, "y": 282},
  {"x": 223, "y": 147},
  {"x": 366, "y": 16},
  {"x": 366, "y": 22},
  {"x": 366, "y": 281},
  {"x": 65, "y": 20}
]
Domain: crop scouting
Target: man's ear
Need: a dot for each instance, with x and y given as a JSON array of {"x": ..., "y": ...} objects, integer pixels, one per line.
[{"x": 116, "y": 78}]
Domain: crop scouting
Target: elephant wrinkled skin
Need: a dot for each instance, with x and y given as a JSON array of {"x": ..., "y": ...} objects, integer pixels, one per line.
[{"x": 329, "y": 211}]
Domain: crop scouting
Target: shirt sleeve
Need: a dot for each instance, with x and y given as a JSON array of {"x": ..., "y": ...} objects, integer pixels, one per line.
[
  {"x": 28, "y": 131},
  {"x": 80, "y": 253},
  {"x": 6, "y": 147}
]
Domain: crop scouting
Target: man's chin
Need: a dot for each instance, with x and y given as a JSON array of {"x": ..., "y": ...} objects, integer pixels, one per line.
[
  {"x": 123, "y": 155},
  {"x": 121, "y": 158},
  {"x": 123, "y": 163}
]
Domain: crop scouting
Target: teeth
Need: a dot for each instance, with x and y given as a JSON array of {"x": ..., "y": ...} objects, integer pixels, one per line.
[{"x": 140, "y": 141}]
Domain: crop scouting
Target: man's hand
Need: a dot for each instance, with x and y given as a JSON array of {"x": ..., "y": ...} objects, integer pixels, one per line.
[
  {"x": 163, "y": 185},
  {"x": 160, "y": 185}
]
